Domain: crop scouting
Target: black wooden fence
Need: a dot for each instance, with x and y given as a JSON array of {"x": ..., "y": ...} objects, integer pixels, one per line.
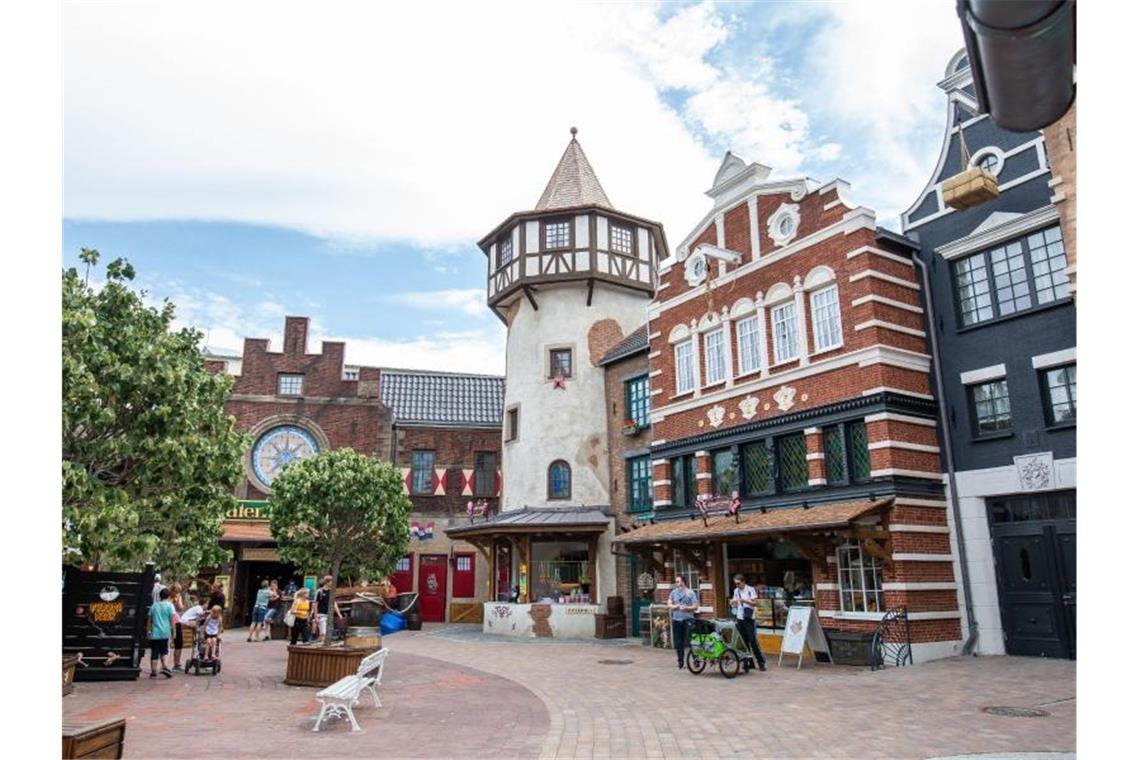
[{"x": 105, "y": 621}]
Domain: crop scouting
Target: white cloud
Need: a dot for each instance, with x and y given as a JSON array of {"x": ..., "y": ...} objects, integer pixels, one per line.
[
  {"x": 470, "y": 301},
  {"x": 479, "y": 351}
]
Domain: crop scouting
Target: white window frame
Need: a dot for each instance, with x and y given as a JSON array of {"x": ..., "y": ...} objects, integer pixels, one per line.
[
  {"x": 792, "y": 339},
  {"x": 816, "y": 312},
  {"x": 719, "y": 364},
  {"x": 351, "y": 373},
  {"x": 621, "y": 239},
  {"x": 862, "y": 590},
  {"x": 746, "y": 356},
  {"x": 690, "y": 572},
  {"x": 285, "y": 377},
  {"x": 685, "y": 380}
]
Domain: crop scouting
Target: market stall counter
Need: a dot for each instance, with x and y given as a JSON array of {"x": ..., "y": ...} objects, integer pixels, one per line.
[{"x": 543, "y": 620}]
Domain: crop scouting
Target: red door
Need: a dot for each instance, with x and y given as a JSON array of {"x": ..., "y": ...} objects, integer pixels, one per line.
[{"x": 433, "y": 587}]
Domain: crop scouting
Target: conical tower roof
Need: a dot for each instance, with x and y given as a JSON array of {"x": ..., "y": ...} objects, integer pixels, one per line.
[{"x": 573, "y": 182}]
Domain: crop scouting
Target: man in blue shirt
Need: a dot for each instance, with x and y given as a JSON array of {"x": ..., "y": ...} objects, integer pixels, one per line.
[
  {"x": 682, "y": 605},
  {"x": 161, "y": 623}
]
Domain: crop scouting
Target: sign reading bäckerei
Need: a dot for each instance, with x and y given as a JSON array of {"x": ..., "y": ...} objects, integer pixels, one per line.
[{"x": 248, "y": 510}]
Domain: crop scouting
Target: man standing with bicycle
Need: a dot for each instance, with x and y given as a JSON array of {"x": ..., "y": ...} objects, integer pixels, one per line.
[
  {"x": 744, "y": 605},
  {"x": 682, "y": 605}
]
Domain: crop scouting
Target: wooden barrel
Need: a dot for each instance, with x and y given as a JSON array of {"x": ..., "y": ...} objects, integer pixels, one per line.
[{"x": 362, "y": 637}]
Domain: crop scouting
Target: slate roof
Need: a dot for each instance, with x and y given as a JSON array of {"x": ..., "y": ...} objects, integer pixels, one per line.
[
  {"x": 533, "y": 520},
  {"x": 442, "y": 398},
  {"x": 573, "y": 182},
  {"x": 635, "y": 342},
  {"x": 784, "y": 520}
]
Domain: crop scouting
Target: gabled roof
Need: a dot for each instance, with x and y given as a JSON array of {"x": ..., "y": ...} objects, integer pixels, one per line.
[
  {"x": 443, "y": 399},
  {"x": 635, "y": 342},
  {"x": 573, "y": 182}
]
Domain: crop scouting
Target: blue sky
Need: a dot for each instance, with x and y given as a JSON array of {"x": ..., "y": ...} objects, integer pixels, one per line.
[{"x": 333, "y": 165}]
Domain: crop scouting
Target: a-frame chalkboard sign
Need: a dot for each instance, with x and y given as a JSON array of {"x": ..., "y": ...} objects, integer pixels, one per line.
[{"x": 105, "y": 620}]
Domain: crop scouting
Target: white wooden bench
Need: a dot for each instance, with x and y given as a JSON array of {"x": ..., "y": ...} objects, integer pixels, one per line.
[{"x": 342, "y": 696}]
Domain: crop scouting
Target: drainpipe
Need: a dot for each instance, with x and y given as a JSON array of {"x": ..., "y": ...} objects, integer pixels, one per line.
[{"x": 971, "y": 621}]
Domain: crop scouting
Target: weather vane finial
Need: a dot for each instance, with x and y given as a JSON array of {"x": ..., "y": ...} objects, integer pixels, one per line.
[{"x": 573, "y": 133}]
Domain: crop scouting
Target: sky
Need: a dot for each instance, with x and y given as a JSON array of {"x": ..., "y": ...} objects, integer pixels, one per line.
[{"x": 340, "y": 161}]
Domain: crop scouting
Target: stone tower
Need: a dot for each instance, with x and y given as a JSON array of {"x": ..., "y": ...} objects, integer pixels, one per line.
[{"x": 569, "y": 278}]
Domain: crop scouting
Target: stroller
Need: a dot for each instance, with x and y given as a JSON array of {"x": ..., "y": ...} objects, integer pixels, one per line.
[{"x": 198, "y": 660}]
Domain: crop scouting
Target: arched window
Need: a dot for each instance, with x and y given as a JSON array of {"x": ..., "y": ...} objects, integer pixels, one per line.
[{"x": 558, "y": 480}]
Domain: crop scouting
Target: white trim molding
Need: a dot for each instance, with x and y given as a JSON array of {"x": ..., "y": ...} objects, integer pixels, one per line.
[
  {"x": 900, "y": 391},
  {"x": 922, "y": 586},
  {"x": 906, "y": 473},
  {"x": 875, "y": 298},
  {"x": 1012, "y": 228},
  {"x": 890, "y": 326},
  {"x": 908, "y": 501},
  {"x": 904, "y": 528},
  {"x": 904, "y": 418},
  {"x": 926, "y": 449},
  {"x": 881, "y": 253},
  {"x": 982, "y": 374},
  {"x": 915, "y": 557},
  {"x": 884, "y": 277},
  {"x": 1055, "y": 359}
]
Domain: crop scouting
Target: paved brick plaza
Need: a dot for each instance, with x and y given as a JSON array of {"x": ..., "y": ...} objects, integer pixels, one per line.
[{"x": 450, "y": 691}]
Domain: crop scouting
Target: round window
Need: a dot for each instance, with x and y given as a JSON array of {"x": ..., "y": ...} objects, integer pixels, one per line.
[
  {"x": 989, "y": 162},
  {"x": 786, "y": 225},
  {"x": 279, "y": 447}
]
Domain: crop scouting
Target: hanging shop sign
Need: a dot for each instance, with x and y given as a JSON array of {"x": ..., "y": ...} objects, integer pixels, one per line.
[
  {"x": 803, "y": 627},
  {"x": 260, "y": 554}
]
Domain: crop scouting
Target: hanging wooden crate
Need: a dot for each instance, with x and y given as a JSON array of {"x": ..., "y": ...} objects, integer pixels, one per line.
[{"x": 970, "y": 188}]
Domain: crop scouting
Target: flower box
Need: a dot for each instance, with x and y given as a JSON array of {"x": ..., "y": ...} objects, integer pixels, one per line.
[{"x": 629, "y": 427}]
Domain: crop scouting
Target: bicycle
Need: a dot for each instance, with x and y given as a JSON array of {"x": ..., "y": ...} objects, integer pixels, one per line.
[{"x": 707, "y": 645}]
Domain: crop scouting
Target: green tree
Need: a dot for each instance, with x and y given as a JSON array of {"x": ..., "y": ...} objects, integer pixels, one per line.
[
  {"x": 340, "y": 511},
  {"x": 150, "y": 458}
]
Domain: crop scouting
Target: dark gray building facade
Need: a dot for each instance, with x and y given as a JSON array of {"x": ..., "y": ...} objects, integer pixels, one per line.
[{"x": 1004, "y": 327}]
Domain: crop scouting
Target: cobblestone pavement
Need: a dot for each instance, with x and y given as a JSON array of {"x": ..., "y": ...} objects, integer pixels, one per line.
[{"x": 451, "y": 691}]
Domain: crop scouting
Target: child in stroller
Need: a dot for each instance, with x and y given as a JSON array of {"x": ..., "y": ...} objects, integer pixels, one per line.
[{"x": 208, "y": 643}]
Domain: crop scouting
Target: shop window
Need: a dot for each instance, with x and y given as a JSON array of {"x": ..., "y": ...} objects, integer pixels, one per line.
[
  {"x": 512, "y": 426},
  {"x": 559, "y": 569},
  {"x": 860, "y": 580},
  {"x": 683, "y": 353},
  {"x": 759, "y": 472},
  {"x": 556, "y": 235},
  {"x": 637, "y": 400},
  {"x": 1017, "y": 275},
  {"x": 423, "y": 473},
  {"x": 485, "y": 471},
  {"x": 640, "y": 480},
  {"x": 561, "y": 363},
  {"x": 792, "y": 453},
  {"x": 506, "y": 251},
  {"x": 463, "y": 584},
  {"x": 684, "y": 477},
  {"x": 1052, "y": 505},
  {"x": 723, "y": 472},
  {"x": 991, "y": 410},
  {"x": 847, "y": 457},
  {"x": 621, "y": 239},
  {"x": 558, "y": 480},
  {"x": 1059, "y": 387},
  {"x": 290, "y": 385}
]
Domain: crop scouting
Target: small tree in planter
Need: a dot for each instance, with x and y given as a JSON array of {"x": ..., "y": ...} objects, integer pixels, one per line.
[{"x": 340, "y": 511}]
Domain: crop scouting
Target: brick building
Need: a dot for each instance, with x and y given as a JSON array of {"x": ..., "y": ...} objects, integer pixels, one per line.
[
  {"x": 446, "y": 439},
  {"x": 789, "y": 369},
  {"x": 293, "y": 403}
]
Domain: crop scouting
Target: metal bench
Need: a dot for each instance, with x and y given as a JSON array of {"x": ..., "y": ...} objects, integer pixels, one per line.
[{"x": 342, "y": 696}]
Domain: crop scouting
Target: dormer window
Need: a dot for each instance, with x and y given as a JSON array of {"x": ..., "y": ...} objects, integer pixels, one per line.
[
  {"x": 621, "y": 239},
  {"x": 506, "y": 251},
  {"x": 556, "y": 234}
]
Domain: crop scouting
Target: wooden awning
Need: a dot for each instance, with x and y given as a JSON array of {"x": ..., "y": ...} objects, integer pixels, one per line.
[
  {"x": 246, "y": 530},
  {"x": 753, "y": 524}
]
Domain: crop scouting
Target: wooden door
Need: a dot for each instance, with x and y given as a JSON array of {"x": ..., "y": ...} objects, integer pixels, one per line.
[
  {"x": 433, "y": 587},
  {"x": 1036, "y": 569}
]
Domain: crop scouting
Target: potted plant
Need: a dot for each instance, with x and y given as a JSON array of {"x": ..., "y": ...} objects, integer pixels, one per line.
[
  {"x": 630, "y": 427},
  {"x": 337, "y": 511}
]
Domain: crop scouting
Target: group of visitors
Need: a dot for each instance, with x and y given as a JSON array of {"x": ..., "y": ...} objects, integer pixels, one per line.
[
  {"x": 266, "y": 606},
  {"x": 303, "y": 622},
  {"x": 169, "y": 617},
  {"x": 683, "y": 606}
]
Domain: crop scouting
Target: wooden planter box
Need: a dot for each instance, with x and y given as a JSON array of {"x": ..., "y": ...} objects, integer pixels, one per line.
[
  {"x": 318, "y": 665},
  {"x": 70, "y": 661},
  {"x": 101, "y": 739}
]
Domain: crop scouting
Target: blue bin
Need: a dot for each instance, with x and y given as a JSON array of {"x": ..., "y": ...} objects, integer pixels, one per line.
[{"x": 391, "y": 622}]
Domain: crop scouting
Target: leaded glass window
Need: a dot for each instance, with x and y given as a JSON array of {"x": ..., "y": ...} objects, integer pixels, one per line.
[
  {"x": 1061, "y": 394},
  {"x": 714, "y": 357},
  {"x": 723, "y": 472},
  {"x": 506, "y": 251},
  {"x": 557, "y": 234},
  {"x": 640, "y": 484},
  {"x": 748, "y": 344},
  {"x": 858, "y": 446},
  {"x": 792, "y": 451},
  {"x": 784, "y": 337},
  {"x": 621, "y": 239},
  {"x": 835, "y": 454},
  {"x": 290, "y": 385},
  {"x": 860, "y": 580},
  {"x": 991, "y": 408},
  {"x": 558, "y": 480},
  {"x": 825, "y": 318},
  {"x": 759, "y": 477}
]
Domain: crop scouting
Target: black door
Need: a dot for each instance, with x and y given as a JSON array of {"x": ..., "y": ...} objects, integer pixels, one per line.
[{"x": 1036, "y": 579}]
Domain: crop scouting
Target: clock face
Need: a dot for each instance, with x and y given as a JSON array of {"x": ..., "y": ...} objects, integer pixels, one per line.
[
  {"x": 695, "y": 269},
  {"x": 279, "y": 447}
]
